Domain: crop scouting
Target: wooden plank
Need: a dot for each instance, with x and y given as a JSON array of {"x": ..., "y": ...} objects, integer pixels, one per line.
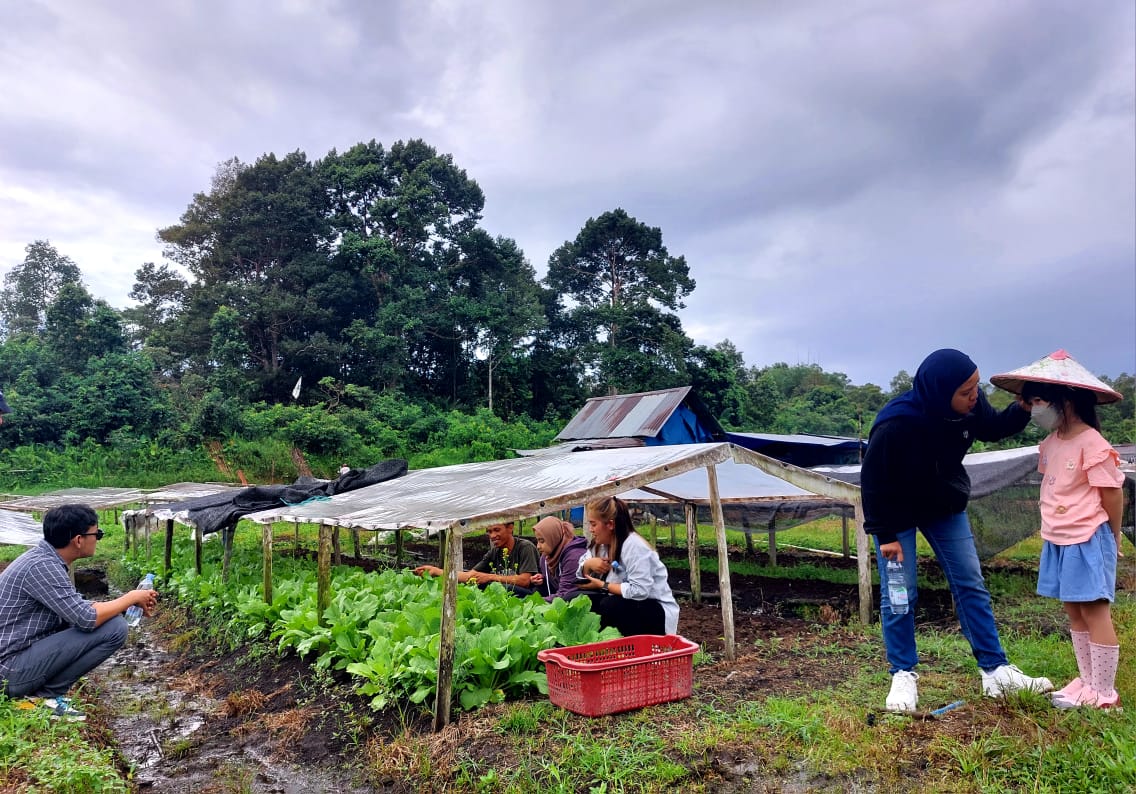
[
  {"x": 723, "y": 565},
  {"x": 448, "y": 628}
]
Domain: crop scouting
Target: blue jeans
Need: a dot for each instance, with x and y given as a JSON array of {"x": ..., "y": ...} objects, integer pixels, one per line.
[
  {"x": 52, "y": 665},
  {"x": 953, "y": 543}
]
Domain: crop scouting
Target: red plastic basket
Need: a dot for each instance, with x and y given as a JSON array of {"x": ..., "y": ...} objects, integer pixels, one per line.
[{"x": 619, "y": 675}]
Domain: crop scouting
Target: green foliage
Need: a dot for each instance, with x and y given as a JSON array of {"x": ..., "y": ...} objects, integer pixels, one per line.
[
  {"x": 382, "y": 628},
  {"x": 52, "y": 756}
]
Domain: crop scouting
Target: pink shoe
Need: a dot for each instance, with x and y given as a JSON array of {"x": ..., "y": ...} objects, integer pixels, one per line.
[
  {"x": 1090, "y": 698},
  {"x": 1070, "y": 691}
]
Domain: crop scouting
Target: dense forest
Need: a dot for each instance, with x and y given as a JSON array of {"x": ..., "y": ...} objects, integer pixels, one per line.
[{"x": 352, "y": 308}]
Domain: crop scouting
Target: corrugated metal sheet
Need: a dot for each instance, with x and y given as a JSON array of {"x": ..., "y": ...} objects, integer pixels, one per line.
[
  {"x": 641, "y": 415},
  {"x": 19, "y": 529},
  {"x": 97, "y": 498}
]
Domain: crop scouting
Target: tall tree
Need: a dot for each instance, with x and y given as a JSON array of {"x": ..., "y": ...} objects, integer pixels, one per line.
[
  {"x": 623, "y": 289},
  {"x": 30, "y": 287},
  {"x": 258, "y": 243}
]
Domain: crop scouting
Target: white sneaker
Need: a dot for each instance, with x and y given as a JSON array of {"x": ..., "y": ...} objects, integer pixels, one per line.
[
  {"x": 1008, "y": 678},
  {"x": 904, "y": 695}
]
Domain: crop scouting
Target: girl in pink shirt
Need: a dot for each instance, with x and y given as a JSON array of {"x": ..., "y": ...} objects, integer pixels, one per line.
[{"x": 1081, "y": 504}]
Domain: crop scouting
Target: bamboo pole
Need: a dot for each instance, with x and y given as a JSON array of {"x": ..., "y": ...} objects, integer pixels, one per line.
[
  {"x": 691, "y": 513},
  {"x": 448, "y": 629},
  {"x": 266, "y": 549},
  {"x": 724, "y": 590},
  {"x": 323, "y": 571}
]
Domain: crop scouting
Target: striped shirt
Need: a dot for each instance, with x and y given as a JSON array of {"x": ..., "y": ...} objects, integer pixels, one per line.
[{"x": 37, "y": 598}]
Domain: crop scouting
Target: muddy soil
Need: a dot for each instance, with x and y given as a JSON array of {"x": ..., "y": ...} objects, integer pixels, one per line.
[{"x": 186, "y": 716}]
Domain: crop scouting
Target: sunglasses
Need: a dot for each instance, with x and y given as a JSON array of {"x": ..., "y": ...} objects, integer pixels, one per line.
[{"x": 98, "y": 535}]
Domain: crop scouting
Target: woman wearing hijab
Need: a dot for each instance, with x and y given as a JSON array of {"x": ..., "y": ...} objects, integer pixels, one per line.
[
  {"x": 560, "y": 551},
  {"x": 913, "y": 478}
]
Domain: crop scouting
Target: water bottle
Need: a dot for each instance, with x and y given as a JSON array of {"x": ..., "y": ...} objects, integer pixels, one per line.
[
  {"x": 134, "y": 613},
  {"x": 897, "y": 587}
]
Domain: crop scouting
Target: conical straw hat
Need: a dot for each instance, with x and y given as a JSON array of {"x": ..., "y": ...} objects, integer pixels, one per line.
[{"x": 1059, "y": 368}]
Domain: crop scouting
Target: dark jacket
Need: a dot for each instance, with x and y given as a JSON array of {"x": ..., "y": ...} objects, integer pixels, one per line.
[
  {"x": 912, "y": 472},
  {"x": 562, "y": 582}
]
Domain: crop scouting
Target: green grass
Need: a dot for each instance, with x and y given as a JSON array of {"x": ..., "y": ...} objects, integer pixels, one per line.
[
  {"x": 812, "y": 738},
  {"x": 41, "y": 754}
]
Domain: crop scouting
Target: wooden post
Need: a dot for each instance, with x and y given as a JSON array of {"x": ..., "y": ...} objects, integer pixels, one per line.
[
  {"x": 167, "y": 558},
  {"x": 197, "y": 541},
  {"x": 447, "y": 630},
  {"x": 771, "y": 533},
  {"x": 691, "y": 513},
  {"x": 297, "y": 540},
  {"x": 724, "y": 589},
  {"x": 336, "y": 552},
  {"x": 670, "y": 523},
  {"x": 227, "y": 541},
  {"x": 150, "y": 524},
  {"x": 266, "y": 547},
  {"x": 397, "y": 547},
  {"x": 323, "y": 572},
  {"x": 355, "y": 543},
  {"x": 863, "y": 566},
  {"x": 654, "y": 530},
  {"x": 844, "y": 532},
  {"x": 127, "y": 528}
]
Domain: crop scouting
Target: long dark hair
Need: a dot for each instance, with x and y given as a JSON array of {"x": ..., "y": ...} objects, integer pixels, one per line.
[
  {"x": 615, "y": 510},
  {"x": 1083, "y": 401}
]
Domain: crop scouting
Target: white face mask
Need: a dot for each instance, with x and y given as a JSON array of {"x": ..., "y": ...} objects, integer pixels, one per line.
[{"x": 1045, "y": 417}]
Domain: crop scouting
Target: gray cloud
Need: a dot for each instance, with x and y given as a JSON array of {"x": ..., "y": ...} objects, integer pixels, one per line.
[{"x": 852, "y": 184}]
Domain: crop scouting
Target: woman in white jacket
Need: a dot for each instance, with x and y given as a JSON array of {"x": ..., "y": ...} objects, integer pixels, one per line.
[{"x": 624, "y": 575}]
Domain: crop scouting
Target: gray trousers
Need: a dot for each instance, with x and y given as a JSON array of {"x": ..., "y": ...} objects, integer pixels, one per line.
[{"x": 49, "y": 667}]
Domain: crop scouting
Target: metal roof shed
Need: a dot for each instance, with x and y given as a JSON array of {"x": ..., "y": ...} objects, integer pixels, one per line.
[
  {"x": 667, "y": 416},
  {"x": 469, "y": 496}
]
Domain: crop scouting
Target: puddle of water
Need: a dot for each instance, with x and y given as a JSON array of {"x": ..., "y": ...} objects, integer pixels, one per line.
[{"x": 163, "y": 733}]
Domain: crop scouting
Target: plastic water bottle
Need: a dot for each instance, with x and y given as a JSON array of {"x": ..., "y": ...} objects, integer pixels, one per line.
[
  {"x": 134, "y": 613},
  {"x": 897, "y": 587}
]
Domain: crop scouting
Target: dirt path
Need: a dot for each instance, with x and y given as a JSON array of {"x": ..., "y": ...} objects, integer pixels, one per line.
[{"x": 183, "y": 730}]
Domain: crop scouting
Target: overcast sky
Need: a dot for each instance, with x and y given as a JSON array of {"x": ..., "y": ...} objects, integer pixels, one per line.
[{"x": 853, "y": 184}]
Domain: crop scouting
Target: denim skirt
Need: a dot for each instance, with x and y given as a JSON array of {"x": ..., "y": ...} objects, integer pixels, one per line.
[{"x": 1080, "y": 573}]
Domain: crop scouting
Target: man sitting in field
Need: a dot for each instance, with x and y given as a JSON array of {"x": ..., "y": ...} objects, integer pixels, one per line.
[
  {"x": 49, "y": 634},
  {"x": 512, "y": 561}
]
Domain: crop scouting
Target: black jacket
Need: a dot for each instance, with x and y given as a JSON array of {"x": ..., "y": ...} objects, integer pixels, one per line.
[{"x": 912, "y": 472}]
